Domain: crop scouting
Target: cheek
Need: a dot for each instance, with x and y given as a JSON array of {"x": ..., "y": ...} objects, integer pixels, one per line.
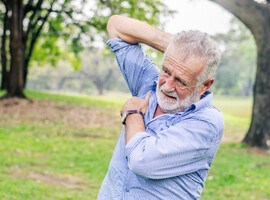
[
  {"x": 182, "y": 94},
  {"x": 161, "y": 80}
]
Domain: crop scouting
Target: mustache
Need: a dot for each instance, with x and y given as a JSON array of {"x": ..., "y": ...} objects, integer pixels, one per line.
[{"x": 170, "y": 94}]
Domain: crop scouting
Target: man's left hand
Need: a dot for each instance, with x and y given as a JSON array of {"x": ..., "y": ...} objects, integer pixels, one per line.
[{"x": 136, "y": 103}]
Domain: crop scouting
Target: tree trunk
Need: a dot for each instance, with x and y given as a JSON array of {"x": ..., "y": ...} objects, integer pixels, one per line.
[
  {"x": 100, "y": 88},
  {"x": 259, "y": 131},
  {"x": 33, "y": 40},
  {"x": 25, "y": 71},
  {"x": 15, "y": 88},
  {"x": 4, "y": 83},
  {"x": 99, "y": 84},
  {"x": 259, "y": 24}
]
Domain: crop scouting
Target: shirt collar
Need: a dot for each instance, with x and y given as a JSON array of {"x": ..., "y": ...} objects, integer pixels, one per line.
[{"x": 205, "y": 101}]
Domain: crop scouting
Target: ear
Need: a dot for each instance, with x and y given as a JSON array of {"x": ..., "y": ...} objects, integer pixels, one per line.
[{"x": 206, "y": 85}]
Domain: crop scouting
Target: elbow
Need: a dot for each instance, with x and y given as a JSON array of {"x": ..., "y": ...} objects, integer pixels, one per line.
[{"x": 111, "y": 26}]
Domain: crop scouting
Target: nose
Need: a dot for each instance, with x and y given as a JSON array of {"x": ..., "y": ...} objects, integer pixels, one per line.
[{"x": 169, "y": 85}]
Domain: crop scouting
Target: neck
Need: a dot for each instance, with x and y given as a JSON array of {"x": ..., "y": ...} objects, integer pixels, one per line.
[{"x": 159, "y": 111}]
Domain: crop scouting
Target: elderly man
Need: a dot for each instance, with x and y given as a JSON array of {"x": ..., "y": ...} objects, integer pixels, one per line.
[{"x": 172, "y": 130}]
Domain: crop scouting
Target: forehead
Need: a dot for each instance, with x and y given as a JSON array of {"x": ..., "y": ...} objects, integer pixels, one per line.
[{"x": 182, "y": 64}]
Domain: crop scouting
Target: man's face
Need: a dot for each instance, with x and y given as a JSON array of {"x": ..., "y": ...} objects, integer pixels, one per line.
[{"x": 177, "y": 82}]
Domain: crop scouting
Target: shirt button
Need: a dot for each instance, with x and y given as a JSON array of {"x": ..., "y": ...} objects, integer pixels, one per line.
[{"x": 127, "y": 190}]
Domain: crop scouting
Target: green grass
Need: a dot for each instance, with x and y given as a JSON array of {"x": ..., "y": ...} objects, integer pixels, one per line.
[
  {"x": 238, "y": 174},
  {"x": 55, "y": 150},
  {"x": 237, "y": 114},
  {"x": 48, "y": 160},
  {"x": 113, "y": 102}
]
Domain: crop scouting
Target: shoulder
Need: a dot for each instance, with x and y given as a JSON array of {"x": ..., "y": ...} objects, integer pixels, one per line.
[
  {"x": 211, "y": 116},
  {"x": 205, "y": 110}
]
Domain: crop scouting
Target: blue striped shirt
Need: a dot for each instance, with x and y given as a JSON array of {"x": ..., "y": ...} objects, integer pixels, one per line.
[{"x": 171, "y": 159}]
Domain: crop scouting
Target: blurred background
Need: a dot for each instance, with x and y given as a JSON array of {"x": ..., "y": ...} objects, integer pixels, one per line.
[
  {"x": 95, "y": 73},
  {"x": 69, "y": 53},
  {"x": 61, "y": 93}
]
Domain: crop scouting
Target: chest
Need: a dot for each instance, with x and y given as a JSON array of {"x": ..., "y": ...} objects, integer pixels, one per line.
[{"x": 161, "y": 123}]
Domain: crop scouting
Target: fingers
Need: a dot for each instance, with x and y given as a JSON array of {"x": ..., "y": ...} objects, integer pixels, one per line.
[
  {"x": 136, "y": 103},
  {"x": 147, "y": 96},
  {"x": 146, "y": 102},
  {"x": 122, "y": 110}
]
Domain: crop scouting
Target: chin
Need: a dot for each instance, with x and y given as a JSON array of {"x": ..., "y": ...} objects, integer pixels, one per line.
[
  {"x": 171, "y": 110},
  {"x": 169, "y": 105}
]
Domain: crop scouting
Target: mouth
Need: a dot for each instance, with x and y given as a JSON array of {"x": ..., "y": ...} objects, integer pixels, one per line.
[{"x": 169, "y": 97}]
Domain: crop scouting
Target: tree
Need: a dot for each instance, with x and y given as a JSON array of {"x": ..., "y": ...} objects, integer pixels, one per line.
[
  {"x": 14, "y": 22},
  {"x": 99, "y": 69},
  {"x": 99, "y": 73},
  {"x": 256, "y": 16},
  {"x": 54, "y": 24},
  {"x": 236, "y": 72}
]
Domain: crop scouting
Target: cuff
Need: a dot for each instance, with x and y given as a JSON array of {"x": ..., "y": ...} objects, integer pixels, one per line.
[{"x": 117, "y": 43}]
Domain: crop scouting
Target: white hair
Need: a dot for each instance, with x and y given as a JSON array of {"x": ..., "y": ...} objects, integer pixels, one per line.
[{"x": 198, "y": 45}]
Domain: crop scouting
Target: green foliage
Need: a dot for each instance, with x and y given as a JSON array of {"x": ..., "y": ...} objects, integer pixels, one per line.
[
  {"x": 47, "y": 51},
  {"x": 148, "y": 11},
  {"x": 237, "y": 70},
  {"x": 75, "y": 25}
]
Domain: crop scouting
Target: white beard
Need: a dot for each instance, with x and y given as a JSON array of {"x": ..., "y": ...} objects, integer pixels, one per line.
[{"x": 173, "y": 106}]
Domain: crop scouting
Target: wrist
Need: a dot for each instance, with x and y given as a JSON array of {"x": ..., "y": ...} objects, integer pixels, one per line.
[
  {"x": 129, "y": 113},
  {"x": 164, "y": 40},
  {"x": 133, "y": 118}
]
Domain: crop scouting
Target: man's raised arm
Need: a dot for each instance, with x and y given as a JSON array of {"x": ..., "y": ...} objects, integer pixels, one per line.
[{"x": 134, "y": 31}]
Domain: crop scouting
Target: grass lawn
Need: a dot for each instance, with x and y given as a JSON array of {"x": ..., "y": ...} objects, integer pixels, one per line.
[
  {"x": 59, "y": 147},
  {"x": 237, "y": 114}
]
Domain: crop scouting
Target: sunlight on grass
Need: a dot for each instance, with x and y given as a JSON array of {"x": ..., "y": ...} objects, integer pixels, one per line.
[
  {"x": 237, "y": 114},
  {"x": 105, "y": 102}
]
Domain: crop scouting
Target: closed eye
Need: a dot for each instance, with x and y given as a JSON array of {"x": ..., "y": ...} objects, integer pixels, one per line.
[
  {"x": 179, "y": 80},
  {"x": 165, "y": 71}
]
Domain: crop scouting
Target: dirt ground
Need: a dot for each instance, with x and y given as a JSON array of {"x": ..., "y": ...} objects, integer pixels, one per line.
[{"x": 42, "y": 111}]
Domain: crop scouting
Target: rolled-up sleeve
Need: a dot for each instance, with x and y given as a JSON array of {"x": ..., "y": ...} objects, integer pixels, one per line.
[
  {"x": 178, "y": 150},
  {"x": 137, "y": 68}
]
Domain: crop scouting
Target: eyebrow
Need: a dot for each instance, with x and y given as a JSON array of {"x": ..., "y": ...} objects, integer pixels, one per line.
[
  {"x": 180, "y": 80},
  {"x": 176, "y": 78}
]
